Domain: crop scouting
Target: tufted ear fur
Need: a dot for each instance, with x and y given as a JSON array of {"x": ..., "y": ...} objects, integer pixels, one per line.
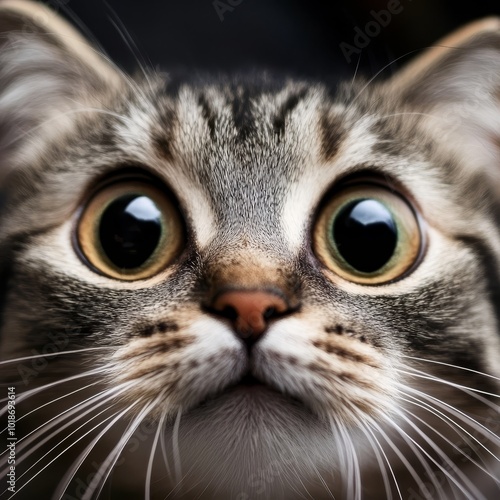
[
  {"x": 457, "y": 83},
  {"x": 46, "y": 71}
]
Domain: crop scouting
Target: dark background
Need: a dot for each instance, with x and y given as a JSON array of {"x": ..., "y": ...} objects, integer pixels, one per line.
[{"x": 300, "y": 37}]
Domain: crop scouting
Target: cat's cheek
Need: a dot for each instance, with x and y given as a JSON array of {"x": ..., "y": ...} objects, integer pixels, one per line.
[
  {"x": 184, "y": 368},
  {"x": 336, "y": 378}
]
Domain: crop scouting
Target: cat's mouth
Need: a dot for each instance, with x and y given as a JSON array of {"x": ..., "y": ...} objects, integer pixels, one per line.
[
  {"x": 248, "y": 383},
  {"x": 249, "y": 380},
  {"x": 250, "y": 386}
]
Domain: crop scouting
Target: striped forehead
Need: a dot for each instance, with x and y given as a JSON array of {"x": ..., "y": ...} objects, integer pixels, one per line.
[
  {"x": 245, "y": 149},
  {"x": 250, "y": 161}
]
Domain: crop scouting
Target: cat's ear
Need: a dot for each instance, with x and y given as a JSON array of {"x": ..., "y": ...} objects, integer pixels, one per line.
[
  {"x": 474, "y": 47},
  {"x": 457, "y": 84},
  {"x": 47, "y": 70}
]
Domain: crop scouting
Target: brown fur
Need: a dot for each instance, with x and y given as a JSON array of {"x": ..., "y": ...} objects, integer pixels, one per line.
[{"x": 410, "y": 364}]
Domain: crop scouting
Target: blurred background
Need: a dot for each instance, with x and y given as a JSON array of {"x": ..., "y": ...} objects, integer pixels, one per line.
[{"x": 307, "y": 38}]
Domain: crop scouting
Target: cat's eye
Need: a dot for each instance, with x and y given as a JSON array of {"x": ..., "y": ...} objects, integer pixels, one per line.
[
  {"x": 368, "y": 234},
  {"x": 129, "y": 230}
]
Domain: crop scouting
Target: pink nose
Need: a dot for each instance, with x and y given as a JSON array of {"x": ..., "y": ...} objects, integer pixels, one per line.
[{"x": 249, "y": 311}]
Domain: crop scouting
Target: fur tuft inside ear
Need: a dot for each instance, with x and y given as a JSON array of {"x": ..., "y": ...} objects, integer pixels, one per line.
[{"x": 46, "y": 70}]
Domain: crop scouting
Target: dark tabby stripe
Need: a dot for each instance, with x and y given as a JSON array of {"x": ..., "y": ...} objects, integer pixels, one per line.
[
  {"x": 285, "y": 109},
  {"x": 332, "y": 134},
  {"x": 208, "y": 114},
  {"x": 241, "y": 107}
]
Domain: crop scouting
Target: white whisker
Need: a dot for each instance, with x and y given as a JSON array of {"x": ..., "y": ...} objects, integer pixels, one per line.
[
  {"x": 60, "y": 454},
  {"x": 407, "y": 113},
  {"x": 70, "y": 473},
  {"x": 354, "y": 480},
  {"x": 51, "y": 354},
  {"x": 463, "y": 434},
  {"x": 355, "y": 71},
  {"x": 131, "y": 83},
  {"x": 92, "y": 401},
  {"x": 379, "y": 453},
  {"x": 52, "y": 401},
  {"x": 404, "y": 460},
  {"x": 25, "y": 395},
  {"x": 417, "y": 373},
  {"x": 483, "y": 430},
  {"x": 420, "y": 454},
  {"x": 55, "y": 421},
  {"x": 457, "y": 448},
  {"x": 66, "y": 437},
  {"x": 175, "y": 447},
  {"x": 442, "y": 363},
  {"x": 129, "y": 41},
  {"x": 164, "y": 446},
  {"x": 377, "y": 74},
  {"x": 473, "y": 491},
  {"x": 147, "y": 491},
  {"x": 108, "y": 465}
]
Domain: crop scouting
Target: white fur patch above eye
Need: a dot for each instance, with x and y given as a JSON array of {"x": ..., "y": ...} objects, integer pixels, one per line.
[
  {"x": 315, "y": 179},
  {"x": 133, "y": 129},
  {"x": 135, "y": 132},
  {"x": 301, "y": 198},
  {"x": 194, "y": 201}
]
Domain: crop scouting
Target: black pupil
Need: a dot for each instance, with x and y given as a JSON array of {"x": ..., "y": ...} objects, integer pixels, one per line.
[
  {"x": 365, "y": 234},
  {"x": 130, "y": 230}
]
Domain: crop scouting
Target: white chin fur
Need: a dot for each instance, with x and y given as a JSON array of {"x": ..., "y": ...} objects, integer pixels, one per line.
[{"x": 252, "y": 443}]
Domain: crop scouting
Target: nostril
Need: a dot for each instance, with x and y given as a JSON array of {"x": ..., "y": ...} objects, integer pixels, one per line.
[
  {"x": 229, "y": 312},
  {"x": 270, "y": 312}
]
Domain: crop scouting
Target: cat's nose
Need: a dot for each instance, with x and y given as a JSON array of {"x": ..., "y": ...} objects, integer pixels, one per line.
[{"x": 249, "y": 311}]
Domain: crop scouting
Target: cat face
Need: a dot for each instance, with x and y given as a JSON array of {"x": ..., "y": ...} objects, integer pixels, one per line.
[{"x": 286, "y": 283}]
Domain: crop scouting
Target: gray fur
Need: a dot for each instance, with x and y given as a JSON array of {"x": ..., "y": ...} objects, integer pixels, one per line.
[{"x": 250, "y": 161}]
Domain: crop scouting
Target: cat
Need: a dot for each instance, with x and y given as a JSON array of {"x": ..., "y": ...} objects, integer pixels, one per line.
[{"x": 248, "y": 287}]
